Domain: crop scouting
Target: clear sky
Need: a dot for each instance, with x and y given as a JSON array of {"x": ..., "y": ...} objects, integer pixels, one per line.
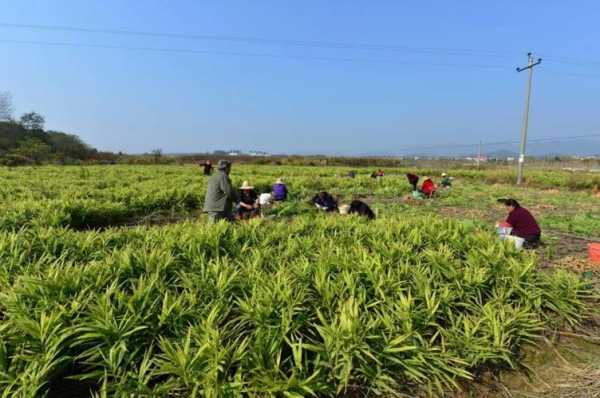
[{"x": 443, "y": 72}]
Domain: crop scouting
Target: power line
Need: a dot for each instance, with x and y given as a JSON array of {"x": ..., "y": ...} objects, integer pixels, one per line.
[
  {"x": 297, "y": 43},
  {"x": 496, "y": 143},
  {"x": 571, "y": 61},
  {"x": 268, "y": 41},
  {"x": 247, "y": 54},
  {"x": 555, "y": 72}
]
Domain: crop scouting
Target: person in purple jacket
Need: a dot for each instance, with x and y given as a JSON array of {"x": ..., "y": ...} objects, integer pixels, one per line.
[
  {"x": 279, "y": 191},
  {"x": 523, "y": 224}
]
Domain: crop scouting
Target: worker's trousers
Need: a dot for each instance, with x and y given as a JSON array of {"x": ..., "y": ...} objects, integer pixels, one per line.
[{"x": 216, "y": 216}]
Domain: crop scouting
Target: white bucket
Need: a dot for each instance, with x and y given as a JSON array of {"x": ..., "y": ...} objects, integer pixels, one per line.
[
  {"x": 265, "y": 199},
  {"x": 515, "y": 239},
  {"x": 518, "y": 242}
]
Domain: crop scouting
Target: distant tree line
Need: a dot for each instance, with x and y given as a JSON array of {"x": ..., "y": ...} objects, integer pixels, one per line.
[{"x": 24, "y": 141}]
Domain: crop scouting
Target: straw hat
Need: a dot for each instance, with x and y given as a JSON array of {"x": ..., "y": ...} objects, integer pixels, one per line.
[
  {"x": 245, "y": 185},
  {"x": 344, "y": 209},
  {"x": 425, "y": 178},
  {"x": 444, "y": 175},
  {"x": 279, "y": 181}
]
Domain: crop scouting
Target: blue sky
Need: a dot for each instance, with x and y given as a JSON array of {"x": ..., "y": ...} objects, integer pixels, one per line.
[{"x": 304, "y": 99}]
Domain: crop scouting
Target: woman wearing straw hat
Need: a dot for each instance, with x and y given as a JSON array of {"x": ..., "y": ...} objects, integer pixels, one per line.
[
  {"x": 248, "y": 206},
  {"x": 279, "y": 191}
]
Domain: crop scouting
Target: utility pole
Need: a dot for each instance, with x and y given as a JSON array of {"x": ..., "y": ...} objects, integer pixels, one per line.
[
  {"x": 479, "y": 154},
  {"x": 530, "y": 65}
]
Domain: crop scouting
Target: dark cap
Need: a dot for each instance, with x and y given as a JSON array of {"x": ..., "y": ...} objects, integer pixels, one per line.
[{"x": 223, "y": 164}]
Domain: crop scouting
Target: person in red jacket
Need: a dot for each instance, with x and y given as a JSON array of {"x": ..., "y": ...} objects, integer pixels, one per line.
[
  {"x": 523, "y": 224},
  {"x": 428, "y": 188}
]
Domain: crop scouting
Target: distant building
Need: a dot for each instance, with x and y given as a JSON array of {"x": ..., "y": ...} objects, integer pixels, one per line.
[{"x": 258, "y": 153}]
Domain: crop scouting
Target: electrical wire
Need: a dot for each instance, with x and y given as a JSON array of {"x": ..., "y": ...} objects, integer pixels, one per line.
[
  {"x": 248, "y": 54},
  {"x": 300, "y": 43},
  {"x": 538, "y": 140},
  {"x": 267, "y": 41}
]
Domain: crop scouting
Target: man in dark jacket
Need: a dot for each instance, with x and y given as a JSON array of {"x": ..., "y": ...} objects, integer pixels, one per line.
[
  {"x": 324, "y": 201},
  {"x": 358, "y": 207},
  {"x": 208, "y": 168},
  {"x": 220, "y": 194},
  {"x": 413, "y": 180}
]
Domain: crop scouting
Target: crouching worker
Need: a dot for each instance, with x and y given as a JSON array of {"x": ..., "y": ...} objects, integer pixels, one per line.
[
  {"x": 324, "y": 201},
  {"x": 446, "y": 181},
  {"x": 521, "y": 223},
  {"x": 279, "y": 191},
  {"x": 428, "y": 188},
  {"x": 377, "y": 174},
  {"x": 413, "y": 180},
  {"x": 220, "y": 194},
  {"x": 358, "y": 207},
  {"x": 248, "y": 206}
]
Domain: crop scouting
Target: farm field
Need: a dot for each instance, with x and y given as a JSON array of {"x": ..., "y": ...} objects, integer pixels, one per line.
[{"x": 112, "y": 281}]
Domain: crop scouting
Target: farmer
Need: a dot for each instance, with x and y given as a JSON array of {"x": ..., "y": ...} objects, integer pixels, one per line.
[
  {"x": 351, "y": 174},
  {"x": 248, "y": 205},
  {"x": 413, "y": 180},
  {"x": 208, "y": 168},
  {"x": 521, "y": 221},
  {"x": 428, "y": 188},
  {"x": 279, "y": 191},
  {"x": 324, "y": 201},
  {"x": 377, "y": 174},
  {"x": 220, "y": 194},
  {"x": 446, "y": 181},
  {"x": 358, "y": 207}
]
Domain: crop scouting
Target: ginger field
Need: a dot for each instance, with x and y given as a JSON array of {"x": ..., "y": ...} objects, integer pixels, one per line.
[{"x": 113, "y": 283}]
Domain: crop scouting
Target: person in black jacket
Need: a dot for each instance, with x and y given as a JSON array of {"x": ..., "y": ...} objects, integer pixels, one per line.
[
  {"x": 208, "y": 168},
  {"x": 413, "y": 180},
  {"x": 358, "y": 207},
  {"x": 248, "y": 205},
  {"x": 324, "y": 201}
]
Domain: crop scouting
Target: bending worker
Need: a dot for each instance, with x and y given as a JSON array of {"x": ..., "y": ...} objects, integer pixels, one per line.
[
  {"x": 522, "y": 222},
  {"x": 220, "y": 194},
  {"x": 428, "y": 188}
]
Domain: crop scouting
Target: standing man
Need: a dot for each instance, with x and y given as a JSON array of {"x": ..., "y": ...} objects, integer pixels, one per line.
[{"x": 220, "y": 194}]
